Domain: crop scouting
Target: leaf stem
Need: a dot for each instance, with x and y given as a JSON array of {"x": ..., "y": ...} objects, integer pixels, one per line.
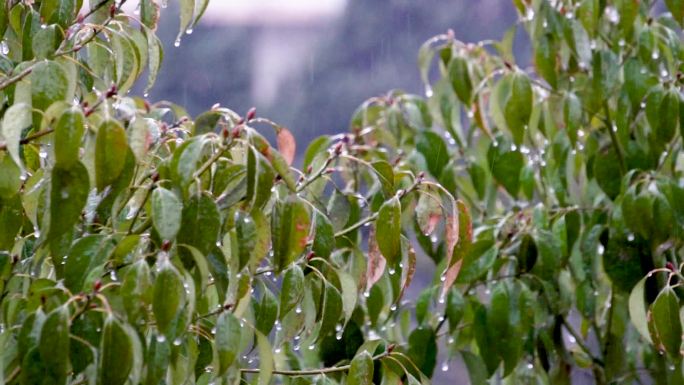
[{"x": 614, "y": 139}]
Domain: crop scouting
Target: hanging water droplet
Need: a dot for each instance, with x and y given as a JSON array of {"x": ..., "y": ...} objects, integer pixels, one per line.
[
  {"x": 393, "y": 307},
  {"x": 671, "y": 367},
  {"x": 366, "y": 293},
  {"x": 580, "y": 133},
  {"x": 161, "y": 338},
  {"x": 428, "y": 91},
  {"x": 495, "y": 144},
  {"x": 312, "y": 347},
  {"x": 663, "y": 73},
  {"x": 146, "y": 94},
  {"x": 434, "y": 239},
  {"x": 42, "y": 153},
  {"x": 445, "y": 366},
  {"x": 487, "y": 291},
  {"x": 177, "y": 342},
  {"x": 530, "y": 366},
  {"x": 615, "y": 128},
  {"x": 277, "y": 351},
  {"x": 529, "y": 14},
  {"x": 514, "y": 147},
  {"x": 213, "y": 330},
  {"x": 592, "y": 45},
  {"x": 298, "y": 309},
  {"x": 164, "y": 3},
  {"x": 112, "y": 275},
  {"x": 188, "y": 31},
  {"x": 441, "y": 300},
  {"x": 338, "y": 336},
  {"x": 655, "y": 55},
  {"x": 596, "y": 293},
  {"x": 601, "y": 249},
  {"x": 621, "y": 42},
  {"x": 392, "y": 271},
  {"x": 296, "y": 348},
  {"x": 630, "y": 237},
  {"x": 177, "y": 42},
  {"x": 572, "y": 339},
  {"x": 4, "y": 48},
  {"x": 470, "y": 114},
  {"x": 612, "y": 14},
  {"x": 451, "y": 340},
  {"x": 43, "y": 26}
]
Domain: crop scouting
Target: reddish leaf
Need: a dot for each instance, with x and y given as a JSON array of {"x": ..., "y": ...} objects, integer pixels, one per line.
[
  {"x": 376, "y": 262},
  {"x": 410, "y": 272},
  {"x": 464, "y": 239},
  {"x": 286, "y": 145}
]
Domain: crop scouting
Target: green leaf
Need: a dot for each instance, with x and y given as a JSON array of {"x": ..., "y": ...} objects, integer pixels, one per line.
[
  {"x": 324, "y": 236},
  {"x": 68, "y": 135},
  {"x": 423, "y": 349},
  {"x": 385, "y": 175},
  {"x": 110, "y": 148},
  {"x": 155, "y": 55},
  {"x": 435, "y": 151},
  {"x": 54, "y": 338},
  {"x": 637, "y": 309},
  {"x": 428, "y": 213},
  {"x": 49, "y": 83},
  {"x": 292, "y": 291},
  {"x": 676, "y": 7},
  {"x": 200, "y": 223},
  {"x": 10, "y": 177},
  {"x": 290, "y": 225},
  {"x": 85, "y": 255},
  {"x": 332, "y": 310},
  {"x": 607, "y": 172},
  {"x": 266, "y": 312},
  {"x": 166, "y": 213},
  {"x": 169, "y": 297},
  {"x": 662, "y": 112},
  {"x": 149, "y": 14},
  {"x": 68, "y": 195},
  {"x": 227, "y": 343},
  {"x": 266, "y": 359},
  {"x": 260, "y": 177},
  {"x": 460, "y": 79},
  {"x": 518, "y": 108},
  {"x": 388, "y": 233},
  {"x": 137, "y": 290},
  {"x": 361, "y": 370},
  {"x": 116, "y": 352},
  {"x": 16, "y": 119},
  {"x": 477, "y": 371},
  {"x": 187, "y": 11},
  {"x": 506, "y": 170},
  {"x": 667, "y": 325}
]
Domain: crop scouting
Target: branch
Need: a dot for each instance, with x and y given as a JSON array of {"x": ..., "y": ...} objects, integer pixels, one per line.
[{"x": 312, "y": 372}]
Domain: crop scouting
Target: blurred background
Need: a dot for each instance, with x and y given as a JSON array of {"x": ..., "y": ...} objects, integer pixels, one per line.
[{"x": 308, "y": 64}]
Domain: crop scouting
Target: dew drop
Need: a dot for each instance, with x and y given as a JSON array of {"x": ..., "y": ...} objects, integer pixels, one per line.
[
  {"x": 530, "y": 366},
  {"x": 146, "y": 94},
  {"x": 298, "y": 310},
  {"x": 177, "y": 342},
  {"x": 277, "y": 351},
  {"x": 655, "y": 55},
  {"x": 366, "y": 293},
  {"x": 442, "y": 278},
  {"x": 529, "y": 14},
  {"x": 4, "y": 48},
  {"x": 572, "y": 339},
  {"x": 296, "y": 348},
  {"x": 188, "y": 31},
  {"x": 161, "y": 338},
  {"x": 312, "y": 347},
  {"x": 428, "y": 91},
  {"x": 112, "y": 275},
  {"x": 392, "y": 271},
  {"x": 451, "y": 340},
  {"x": 630, "y": 237},
  {"x": 213, "y": 330},
  {"x": 177, "y": 43},
  {"x": 601, "y": 249},
  {"x": 445, "y": 366},
  {"x": 393, "y": 308},
  {"x": 441, "y": 300},
  {"x": 42, "y": 153},
  {"x": 671, "y": 367}
]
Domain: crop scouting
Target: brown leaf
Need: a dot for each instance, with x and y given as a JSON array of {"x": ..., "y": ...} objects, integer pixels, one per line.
[
  {"x": 286, "y": 145},
  {"x": 463, "y": 242},
  {"x": 410, "y": 272},
  {"x": 376, "y": 262}
]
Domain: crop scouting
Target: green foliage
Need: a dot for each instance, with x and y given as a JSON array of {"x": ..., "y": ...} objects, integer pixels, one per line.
[
  {"x": 140, "y": 246},
  {"x": 572, "y": 172}
]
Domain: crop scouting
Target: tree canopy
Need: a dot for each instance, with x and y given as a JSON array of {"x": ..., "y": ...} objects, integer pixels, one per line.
[{"x": 140, "y": 245}]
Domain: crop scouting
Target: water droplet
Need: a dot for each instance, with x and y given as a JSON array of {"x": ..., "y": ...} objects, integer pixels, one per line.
[
  {"x": 514, "y": 148},
  {"x": 445, "y": 366},
  {"x": 177, "y": 43},
  {"x": 268, "y": 273},
  {"x": 392, "y": 271},
  {"x": 530, "y": 366},
  {"x": 495, "y": 144},
  {"x": 545, "y": 24},
  {"x": 428, "y": 91},
  {"x": 393, "y": 308},
  {"x": 164, "y": 3},
  {"x": 366, "y": 293},
  {"x": 146, "y": 94},
  {"x": 615, "y": 128},
  {"x": 572, "y": 339},
  {"x": 434, "y": 239},
  {"x": 65, "y": 194},
  {"x": 43, "y": 26},
  {"x": 42, "y": 153},
  {"x": 487, "y": 291},
  {"x": 596, "y": 293},
  {"x": 4, "y": 48},
  {"x": 612, "y": 14},
  {"x": 570, "y": 15},
  {"x": 671, "y": 367},
  {"x": 601, "y": 249},
  {"x": 296, "y": 348},
  {"x": 277, "y": 351},
  {"x": 451, "y": 340},
  {"x": 112, "y": 275},
  {"x": 441, "y": 300},
  {"x": 655, "y": 55},
  {"x": 177, "y": 342},
  {"x": 442, "y": 278},
  {"x": 580, "y": 133},
  {"x": 592, "y": 45},
  {"x": 213, "y": 330},
  {"x": 630, "y": 237},
  {"x": 298, "y": 310},
  {"x": 621, "y": 43},
  {"x": 188, "y": 31},
  {"x": 529, "y": 14},
  {"x": 161, "y": 338},
  {"x": 312, "y": 347},
  {"x": 663, "y": 73},
  {"x": 338, "y": 336}
]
